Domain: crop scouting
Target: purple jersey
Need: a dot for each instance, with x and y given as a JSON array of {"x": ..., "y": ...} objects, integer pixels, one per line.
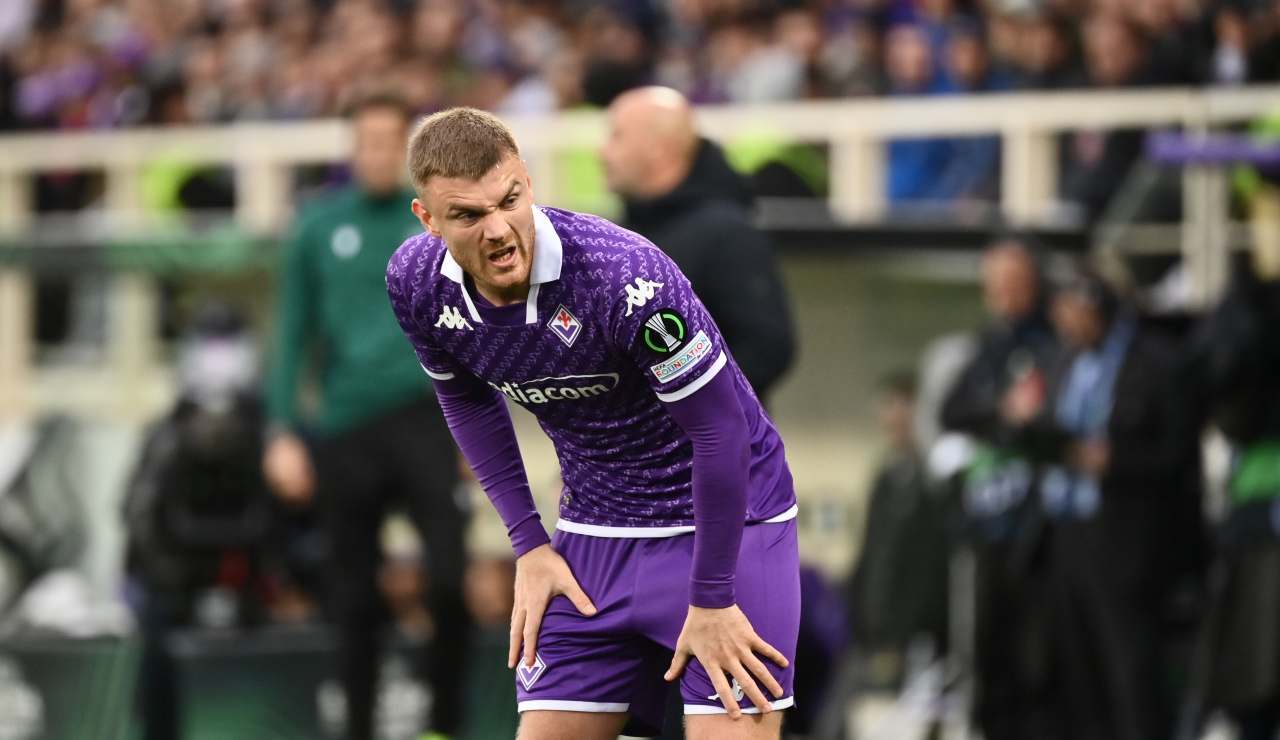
[{"x": 611, "y": 329}]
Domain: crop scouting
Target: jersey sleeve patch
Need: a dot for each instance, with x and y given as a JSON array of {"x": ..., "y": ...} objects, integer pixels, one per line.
[{"x": 685, "y": 359}]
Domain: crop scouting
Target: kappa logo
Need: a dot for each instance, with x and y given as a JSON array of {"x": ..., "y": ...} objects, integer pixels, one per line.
[
  {"x": 565, "y": 325},
  {"x": 451, "y": 318},
  {"x": 529, "y": 674},
  {"x": 640, "y": 293},
  {"x": 736, "y": 688}
]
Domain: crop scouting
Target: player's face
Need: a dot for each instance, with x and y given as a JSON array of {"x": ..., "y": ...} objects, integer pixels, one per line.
[
  {"x": 487, "y": 225},
  {"x": 379, "y": 151}
]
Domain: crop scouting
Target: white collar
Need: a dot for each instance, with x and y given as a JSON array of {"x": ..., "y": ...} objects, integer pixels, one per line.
[{"x": 548, "y": 253}]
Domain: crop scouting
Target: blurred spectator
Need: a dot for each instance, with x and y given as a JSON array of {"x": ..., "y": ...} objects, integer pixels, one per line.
[
  {"x": 1006, "y": 375},
  {"x": 1119, "y": 450},
  {"x": 898, "y": 590},
  {"x": 1097, "y": 163},
  {"x": 679, "y": 192},
  {"x": 1237, "y": 353},
  {"x": 972, "y": 167},
  {"x": 118, "y": 62},
  {"x": 491, "y": 694},
  {"x": 207, "y": 544},
  {"x": 1042, "y": 52},
  {"x": 379, "y": 439},
  {"x": 910, "y": 70}
]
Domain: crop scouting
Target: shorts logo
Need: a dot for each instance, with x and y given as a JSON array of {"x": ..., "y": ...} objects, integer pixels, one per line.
[
  {"x": 565, "y": 325},
  {"x": 640, "y": 294},
  {"x": 663, "y": 332},
  {"x": 529, "y": 674},
  {"x": 693, "y": 353},
  {"x": 451, "y": 318},
  {"x": 738, "y": 693}
]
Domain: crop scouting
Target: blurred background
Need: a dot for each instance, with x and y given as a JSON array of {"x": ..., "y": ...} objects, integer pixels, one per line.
[{"x": 1028, "y": 253}]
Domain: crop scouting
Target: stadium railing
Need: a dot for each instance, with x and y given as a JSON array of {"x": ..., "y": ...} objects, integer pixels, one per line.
[{"x": 133, "y": 382}]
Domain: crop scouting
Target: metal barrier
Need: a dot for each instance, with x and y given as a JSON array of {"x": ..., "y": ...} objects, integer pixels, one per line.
[{"x": 133, "y": 382}]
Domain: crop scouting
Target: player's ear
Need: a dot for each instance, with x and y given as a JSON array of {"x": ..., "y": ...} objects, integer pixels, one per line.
[{"x": 424, "y": 217}]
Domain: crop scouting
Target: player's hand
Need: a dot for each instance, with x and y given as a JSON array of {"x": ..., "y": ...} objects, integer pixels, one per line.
[
  {"x": 723, "y": 641},
  {"x": 287, "y": 467},
  {"x": 541, "y": 575}
]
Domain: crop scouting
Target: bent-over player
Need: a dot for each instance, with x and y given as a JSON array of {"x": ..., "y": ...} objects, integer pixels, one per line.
[{"x": 677, "y": 529}]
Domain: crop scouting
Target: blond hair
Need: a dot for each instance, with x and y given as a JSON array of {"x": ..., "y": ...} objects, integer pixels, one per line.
[{"x": 458, "y": 142}]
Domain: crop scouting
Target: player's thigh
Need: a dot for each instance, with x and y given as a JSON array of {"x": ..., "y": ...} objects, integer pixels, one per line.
[
  {"x": 723, "y": 727},
  {"x": 768, "y": 592},
  {"x": 542, "y": 725}
]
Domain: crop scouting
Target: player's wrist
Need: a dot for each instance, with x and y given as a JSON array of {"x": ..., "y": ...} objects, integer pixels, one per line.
[
  {"x": 705, "y": 595},
  {"x": 528, "y": 536}
]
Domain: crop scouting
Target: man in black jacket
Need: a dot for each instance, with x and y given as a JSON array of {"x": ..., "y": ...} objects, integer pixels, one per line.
[
  {"x": 1016, "y": 347},
  {"x": 1118, "y": 454},
  {"x": 681, "y": 194},
  {"x": 1236, "y": 353}
]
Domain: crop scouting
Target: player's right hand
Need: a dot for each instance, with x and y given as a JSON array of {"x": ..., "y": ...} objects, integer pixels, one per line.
[
  {"x": 541, "y": 575},
  {"x": 286, "y": 464}
]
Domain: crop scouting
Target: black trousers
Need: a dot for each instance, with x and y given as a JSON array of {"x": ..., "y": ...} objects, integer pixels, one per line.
[
  {"x": 405, "y": 459},
  {"x": 1012, "y": 697},
  {"x": 1108, "y": 583}
]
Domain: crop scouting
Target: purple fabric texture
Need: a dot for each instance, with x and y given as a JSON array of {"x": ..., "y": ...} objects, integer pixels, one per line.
[
  {"x": 482, "y": 428},
  {"x": 713, "y": 419},
  {"x": 614, "y": 661},
  {"x": 606, "y": 352}
]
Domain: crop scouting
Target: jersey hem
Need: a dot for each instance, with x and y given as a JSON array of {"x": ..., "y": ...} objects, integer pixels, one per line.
[
  {"x": 599, "y": 530},
  {"x": 564, "y": 705}
]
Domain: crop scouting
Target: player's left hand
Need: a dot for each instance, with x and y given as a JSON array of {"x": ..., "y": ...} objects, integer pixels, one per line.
[
  {"x": 724, "y": 642},
  {"x": 541, "y": 575}
]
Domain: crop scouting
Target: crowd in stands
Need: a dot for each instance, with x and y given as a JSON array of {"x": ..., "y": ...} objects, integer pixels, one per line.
[{"x": 114, "y": 63}]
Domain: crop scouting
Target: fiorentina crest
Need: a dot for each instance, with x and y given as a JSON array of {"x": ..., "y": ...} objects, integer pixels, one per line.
[{"x": 565, "y": 325}]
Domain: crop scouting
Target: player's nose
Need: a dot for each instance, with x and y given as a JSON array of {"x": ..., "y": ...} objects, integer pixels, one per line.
[{"x": 494, "y": 228}]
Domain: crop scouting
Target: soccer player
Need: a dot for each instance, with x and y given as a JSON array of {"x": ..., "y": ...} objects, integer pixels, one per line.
[{"x": 675, "y": 553}]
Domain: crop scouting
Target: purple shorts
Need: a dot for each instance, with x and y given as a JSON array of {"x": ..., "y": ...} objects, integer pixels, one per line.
[{"x": 614, "y": 661}]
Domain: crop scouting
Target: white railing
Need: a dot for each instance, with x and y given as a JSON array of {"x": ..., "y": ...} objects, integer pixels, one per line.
[{"x": 262, "y": 155}]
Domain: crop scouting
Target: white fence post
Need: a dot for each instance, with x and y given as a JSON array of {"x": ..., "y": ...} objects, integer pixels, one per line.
[
  {"x": 857, "y": 177},
  {"x": 1028, "y": 173},
  {"x": 16, "y": 300}
]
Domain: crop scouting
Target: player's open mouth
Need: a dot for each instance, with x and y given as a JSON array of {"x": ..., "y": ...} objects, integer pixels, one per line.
[{"x": 504, "y": 257}]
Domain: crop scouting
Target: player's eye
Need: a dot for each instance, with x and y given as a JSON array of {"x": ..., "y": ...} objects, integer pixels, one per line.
[
  {"x": 469, "y": 218},
  {"x": 510, "y": 202}
]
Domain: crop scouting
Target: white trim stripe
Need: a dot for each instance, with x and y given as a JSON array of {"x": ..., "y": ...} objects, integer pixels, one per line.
[
  {"x": 435, "y": 375},
  {"x": 789, "y": 701},
  {"x": 561, "y": 705},
  {"x": 548, "y": 251},
  {"x": 640, "y": 533},
  {"x": 785, "y": 516},
  {"x": 531, "y": 305},
  {"x": 697, "y": 384},
  {"x": 471, "y": 306},
  {"x": 450, "y": 267}
]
